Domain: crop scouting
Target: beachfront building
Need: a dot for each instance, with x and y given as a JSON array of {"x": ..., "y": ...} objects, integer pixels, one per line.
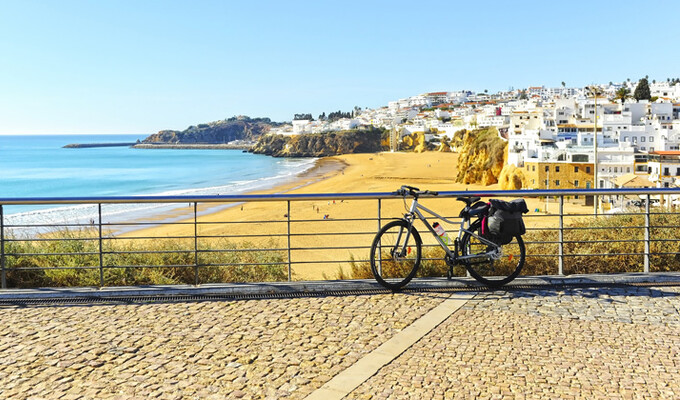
[
  {"x": 664, "y": 168},
  {"x": 567, "y": 174}
]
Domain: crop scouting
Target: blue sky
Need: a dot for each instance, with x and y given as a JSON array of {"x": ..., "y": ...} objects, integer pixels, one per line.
[{"x": 142, "y": 66}]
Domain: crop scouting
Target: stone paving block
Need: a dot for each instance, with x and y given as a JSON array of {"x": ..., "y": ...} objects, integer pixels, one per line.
[
  {"x": 576, "y": 343},
  {"x": 257, "y": 348}
]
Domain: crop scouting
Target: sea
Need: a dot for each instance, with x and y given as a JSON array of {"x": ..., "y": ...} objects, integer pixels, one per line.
[{"x": 38, "y": 167}]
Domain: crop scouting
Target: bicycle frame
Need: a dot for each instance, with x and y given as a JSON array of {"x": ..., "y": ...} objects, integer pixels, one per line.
[{"x": 454, "y": 256}]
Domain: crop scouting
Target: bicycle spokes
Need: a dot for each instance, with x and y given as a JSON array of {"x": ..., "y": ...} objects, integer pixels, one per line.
[{"x": 396, "y": 255}]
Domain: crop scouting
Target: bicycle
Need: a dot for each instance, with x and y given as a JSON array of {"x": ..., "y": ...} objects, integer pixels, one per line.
[{"x": 397, "y": 248}]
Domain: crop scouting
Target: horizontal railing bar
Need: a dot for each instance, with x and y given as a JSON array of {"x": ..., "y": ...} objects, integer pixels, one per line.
[
  {"x": 244, "y": 264},
  {"x": 273, "y": 235},
  {"x": 330, "y": 196},
  {"x": 52, "y": 240},
  {"x": 146, "y": 223},
  {"x": 84, "y": 268},
  {"x": 332, "y": 234},
  {"x": 330, "y": 261},
  {"x": 83, "y": 253},
  {"x": 207, "y": 251},
  {"x": 329, "y": 248},
  {"x": 114, "y": 253},
  {"x": 150, "y": 266},
  {"x": 129, "y": 238}
]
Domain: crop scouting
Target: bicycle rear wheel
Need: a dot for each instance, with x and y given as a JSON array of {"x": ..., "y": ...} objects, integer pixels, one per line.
[
  {"x": 395, "y": 254},
  {"x": 494, "y": 271}
]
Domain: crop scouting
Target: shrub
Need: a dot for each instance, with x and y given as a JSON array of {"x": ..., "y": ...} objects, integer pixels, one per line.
[{"x": 52, "y": 261}]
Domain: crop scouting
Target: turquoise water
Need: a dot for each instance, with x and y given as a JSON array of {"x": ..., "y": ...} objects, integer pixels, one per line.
[{"x": 38, "y": 166}]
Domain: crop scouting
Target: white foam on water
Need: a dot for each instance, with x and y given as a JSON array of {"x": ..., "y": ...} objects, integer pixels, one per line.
[{"x": 59, "y": 217}]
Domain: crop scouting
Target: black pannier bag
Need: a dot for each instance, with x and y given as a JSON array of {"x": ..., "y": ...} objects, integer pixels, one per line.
[{"x": 505, "y": 219}]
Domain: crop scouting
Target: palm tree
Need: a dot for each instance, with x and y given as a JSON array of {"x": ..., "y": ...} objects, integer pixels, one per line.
[{"x": 622, "y": 94}]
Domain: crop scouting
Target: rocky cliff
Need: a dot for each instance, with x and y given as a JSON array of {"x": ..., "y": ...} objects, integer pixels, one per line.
[
  {"x": 320, "y": 144},
  {"x": 483, "y": 155},
  {"x": 225, "y": 131},
  {"x": 511, "y": 178}
]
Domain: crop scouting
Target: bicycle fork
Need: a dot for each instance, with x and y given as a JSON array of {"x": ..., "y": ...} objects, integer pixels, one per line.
[{"x": 399, "y": 253}]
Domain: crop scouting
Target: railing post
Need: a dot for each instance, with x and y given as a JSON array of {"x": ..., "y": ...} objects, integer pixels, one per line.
[
  {"x": 196, "y": 243},
  {"x": 560, "y": 259},
  {"x": 379, "y": 248},
  {"x": 647, "y": 235},
  {"x": 290, "y": 268},
  {"x": 101, "y": 250},
  {"x": 2, "y": 248}
]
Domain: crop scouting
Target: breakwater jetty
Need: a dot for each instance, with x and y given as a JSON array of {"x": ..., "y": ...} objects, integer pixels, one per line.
[
  {"x": 195, "y": 146},
  {"x": 90, "y": 145}
]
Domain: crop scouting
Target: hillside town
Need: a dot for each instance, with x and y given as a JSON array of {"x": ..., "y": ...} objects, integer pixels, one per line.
[{"x": 554, "y": 135}]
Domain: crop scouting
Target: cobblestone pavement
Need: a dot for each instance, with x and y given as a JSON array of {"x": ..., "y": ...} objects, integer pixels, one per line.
[
  {"x": 208, "y": 350},
  {"x": 578, "y": 343}
]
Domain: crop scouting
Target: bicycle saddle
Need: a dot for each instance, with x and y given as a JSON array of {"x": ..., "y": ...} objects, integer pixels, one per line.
[{"x": 468, "y": 199}]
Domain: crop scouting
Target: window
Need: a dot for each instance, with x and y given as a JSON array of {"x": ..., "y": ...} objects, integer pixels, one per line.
[
  {"x": 547, "y": 168},
  {"x": 642, "y": 139},
  {"x": 557, "y": 168},
  {"x": 588, "y": 185},
  {"x": 557, "y": 182},
  {"x": 666, "y": 172},
  {"x": 628, "y": 169},
  {"x": 575, "y": 169},
  {"x": 677, "y": 172},
  {"x": 587, "y": 170},
  {"x": 533, "y": 168},
  {"x": 651, "y": 139},
  {"x": 576, "y": 183},
  {"x": 546, "y": 183}
]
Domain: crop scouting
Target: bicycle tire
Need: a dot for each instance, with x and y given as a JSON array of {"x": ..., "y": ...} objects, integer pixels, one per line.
[
  {"x": 493, "y": 273},
  {"x": 395, "y": 272}
]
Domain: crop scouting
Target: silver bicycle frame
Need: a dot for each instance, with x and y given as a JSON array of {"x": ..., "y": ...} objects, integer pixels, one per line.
[{"x": 464, "y": 227}]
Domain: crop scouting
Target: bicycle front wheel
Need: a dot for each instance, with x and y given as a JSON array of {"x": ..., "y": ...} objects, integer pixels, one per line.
[
  {"x": 497, "y": 270},
  {"x": 395, "y": 254}
]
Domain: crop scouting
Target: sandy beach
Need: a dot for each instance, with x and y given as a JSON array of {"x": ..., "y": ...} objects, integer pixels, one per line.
[{"x": 327, "y": 224}]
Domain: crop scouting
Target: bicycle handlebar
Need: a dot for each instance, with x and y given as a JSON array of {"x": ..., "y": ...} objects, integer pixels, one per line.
[{"x": 413, "y": 191}]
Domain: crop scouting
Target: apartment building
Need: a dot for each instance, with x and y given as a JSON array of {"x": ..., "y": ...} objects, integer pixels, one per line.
[
  {"x": 664, "y": 168},
  {"x": 558, "y": 174}
]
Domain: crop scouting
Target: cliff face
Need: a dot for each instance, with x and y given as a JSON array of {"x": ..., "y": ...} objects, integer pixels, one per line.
[
  {"x": 320, "y": 144},
  {"x": 511, "y": 178},
  {"x": 482, "y": 156},
  {"x": 236, "y": 128}
]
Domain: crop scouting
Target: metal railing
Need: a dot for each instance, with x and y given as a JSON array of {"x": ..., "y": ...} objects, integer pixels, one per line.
[{"x": 309, "y": 236}]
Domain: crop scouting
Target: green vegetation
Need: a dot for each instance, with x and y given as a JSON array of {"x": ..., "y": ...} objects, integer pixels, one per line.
[
  {"x": 431, "y": 264},
  {"x": 622, "y": 94},
  {"x": 642, "y": 91},
  {"x": 616, "y": 239},
  {"x": 52, "y": 263},
  {"x": 607, "y": 244}
]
